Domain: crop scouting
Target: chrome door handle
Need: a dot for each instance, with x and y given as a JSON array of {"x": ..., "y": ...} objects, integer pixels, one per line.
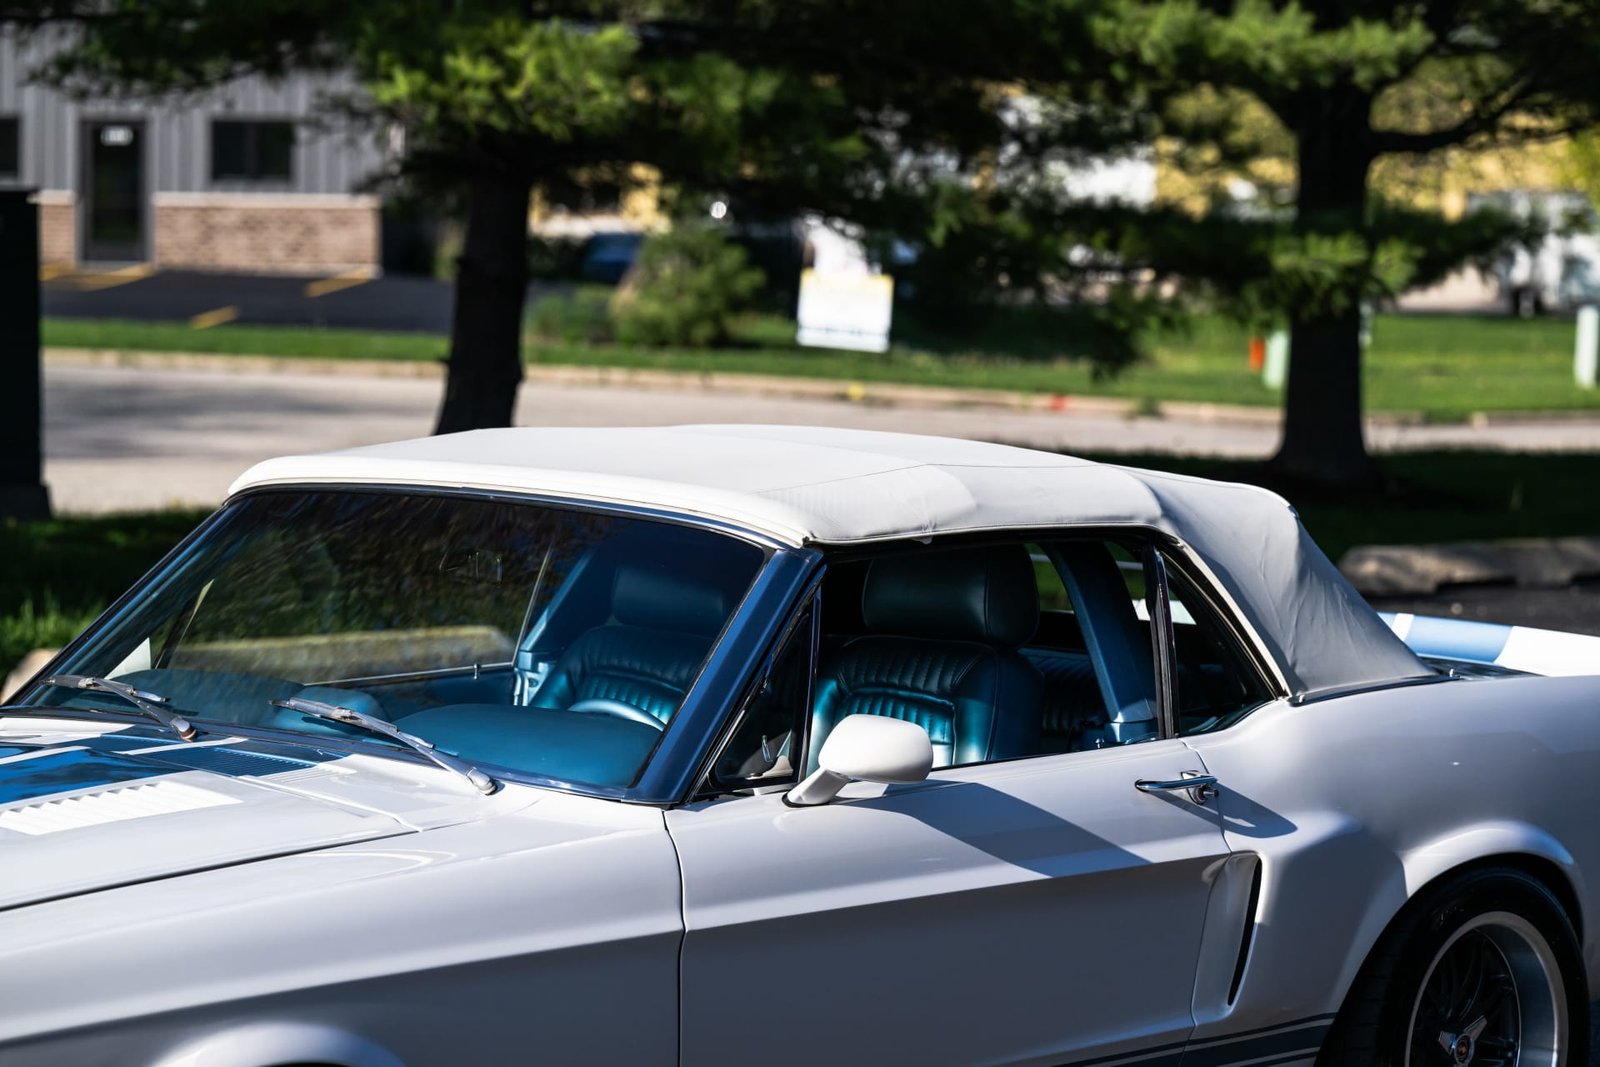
[{"x": 1200, "y": 787}]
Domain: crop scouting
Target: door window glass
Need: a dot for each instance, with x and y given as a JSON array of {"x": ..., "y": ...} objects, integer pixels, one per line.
[
  {"x": 1101, "y": 690},
  {"x": 998, "y": 651}
]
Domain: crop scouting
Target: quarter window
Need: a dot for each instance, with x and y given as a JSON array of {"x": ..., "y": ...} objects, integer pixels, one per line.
[
  {"x": 252, "y": 151},
  {"x": 764, "y": 748},
  {"x": 1215, "y": 683}
]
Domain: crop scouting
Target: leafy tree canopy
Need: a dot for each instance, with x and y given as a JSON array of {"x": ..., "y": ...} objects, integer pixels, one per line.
[{"x": 954, "y": 124}]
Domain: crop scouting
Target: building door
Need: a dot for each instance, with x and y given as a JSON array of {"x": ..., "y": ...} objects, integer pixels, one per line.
[{"x": 114, "y": 192}]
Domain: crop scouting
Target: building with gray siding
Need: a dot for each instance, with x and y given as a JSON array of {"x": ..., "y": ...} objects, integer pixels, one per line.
[{"x": 247, "y": 177}]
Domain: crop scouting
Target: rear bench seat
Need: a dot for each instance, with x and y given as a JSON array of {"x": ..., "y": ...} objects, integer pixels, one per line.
[{"x": 1074, "y": 710}]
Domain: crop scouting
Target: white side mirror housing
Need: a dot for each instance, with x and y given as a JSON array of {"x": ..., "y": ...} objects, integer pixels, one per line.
[{"x": 865, "y": 748}]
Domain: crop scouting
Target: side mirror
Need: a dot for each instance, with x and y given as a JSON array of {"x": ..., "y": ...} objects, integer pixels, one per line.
[{"x": 865, "y": 748}]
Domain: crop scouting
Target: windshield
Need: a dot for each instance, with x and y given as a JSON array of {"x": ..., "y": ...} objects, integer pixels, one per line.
[{"x": 544, "y": 640}]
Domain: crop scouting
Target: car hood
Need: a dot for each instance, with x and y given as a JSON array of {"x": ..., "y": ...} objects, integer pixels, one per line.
[{"x": 83, "y": 811}]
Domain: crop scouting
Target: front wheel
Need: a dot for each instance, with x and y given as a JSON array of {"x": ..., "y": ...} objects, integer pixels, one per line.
[{"x": 1485, "y": 971}]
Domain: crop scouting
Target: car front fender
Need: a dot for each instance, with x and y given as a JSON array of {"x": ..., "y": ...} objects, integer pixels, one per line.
[
  {"x": 273, "y": 1044},
  {"x": 1427, "y": 862}
]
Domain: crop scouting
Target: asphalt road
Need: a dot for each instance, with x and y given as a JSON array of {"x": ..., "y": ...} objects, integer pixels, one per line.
[{"x": 124, "y": 438}]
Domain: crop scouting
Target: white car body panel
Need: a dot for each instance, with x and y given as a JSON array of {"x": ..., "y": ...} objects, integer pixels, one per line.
[
  {"x": 368, "y": 909},
  {"x": 1340, "y": 857},
  {"x": 480, "y": 929},
  {"x": 1045, "y": 902}
]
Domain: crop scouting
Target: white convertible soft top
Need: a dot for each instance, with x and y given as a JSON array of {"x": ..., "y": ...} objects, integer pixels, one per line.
[{"x": 813, "y": 485}]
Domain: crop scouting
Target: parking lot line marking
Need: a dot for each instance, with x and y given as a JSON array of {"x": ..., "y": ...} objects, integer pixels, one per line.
[
  {"x": 89, "y": 283},
  {"x": 348, "y": 280},
  {"x": 47, "y": 271},
  {"x": 215, "y": 317}
]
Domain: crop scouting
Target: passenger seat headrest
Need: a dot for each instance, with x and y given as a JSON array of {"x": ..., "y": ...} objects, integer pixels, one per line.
[
  {"x": 963, "y": 594},
  {"x": 658, "y": 600}
]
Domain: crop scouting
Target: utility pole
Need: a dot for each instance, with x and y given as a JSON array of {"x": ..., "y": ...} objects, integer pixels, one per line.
[{"x": 22, "y": 491}]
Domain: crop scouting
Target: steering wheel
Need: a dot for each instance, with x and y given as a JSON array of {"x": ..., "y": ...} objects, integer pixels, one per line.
[{"x": 603, "y": 706}]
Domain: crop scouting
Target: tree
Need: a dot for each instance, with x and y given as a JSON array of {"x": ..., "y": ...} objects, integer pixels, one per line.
[
  {"x": 948, "y": 124},
  {"x": 496, "y": 98},
  {"x": 830, "y": 106},
  {"x": 1350, "y": 82}
]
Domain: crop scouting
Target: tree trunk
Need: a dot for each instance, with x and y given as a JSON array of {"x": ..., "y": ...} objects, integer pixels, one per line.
[
  {"x": 485, "y": 364},
  {"x": 1323, "y": 439}
]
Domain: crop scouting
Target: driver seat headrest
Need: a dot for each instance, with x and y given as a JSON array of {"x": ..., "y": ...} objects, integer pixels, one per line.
[
  {"x": 986, "y": 594},
  {"x": 660, "y": 600}
]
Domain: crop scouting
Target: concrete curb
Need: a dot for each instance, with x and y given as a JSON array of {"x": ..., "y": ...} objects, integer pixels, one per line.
[
  {"x": 222, "y": 363},
  {"x": 887, "y": 394}
]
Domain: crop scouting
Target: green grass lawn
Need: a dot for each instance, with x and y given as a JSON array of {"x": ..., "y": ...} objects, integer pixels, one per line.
[
  {"x": 57, "y": 576},
  {"x": 1445, "y": 367}
]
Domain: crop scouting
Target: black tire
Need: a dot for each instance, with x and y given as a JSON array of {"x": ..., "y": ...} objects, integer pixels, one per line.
[{"x": 1505, "y": 927}]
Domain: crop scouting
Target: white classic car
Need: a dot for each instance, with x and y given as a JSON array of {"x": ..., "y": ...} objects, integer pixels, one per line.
[{"x": 769, "y": 745}]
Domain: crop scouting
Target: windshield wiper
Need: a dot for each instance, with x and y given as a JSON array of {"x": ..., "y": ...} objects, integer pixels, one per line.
[
  {"x": 351, "y": 717},
  {"x": 152, "y": 704}
]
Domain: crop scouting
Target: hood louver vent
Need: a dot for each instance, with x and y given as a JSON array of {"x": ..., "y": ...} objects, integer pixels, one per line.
[{"x": 136, "y": 801}]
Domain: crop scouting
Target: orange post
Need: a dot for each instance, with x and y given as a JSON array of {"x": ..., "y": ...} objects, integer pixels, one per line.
[{"x": 1258, "y": 353}]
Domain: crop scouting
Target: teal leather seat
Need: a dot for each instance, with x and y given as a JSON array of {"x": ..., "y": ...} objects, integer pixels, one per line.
[
  {"x": 648, "y": 654},
  {"x": 942, "y": 651}
]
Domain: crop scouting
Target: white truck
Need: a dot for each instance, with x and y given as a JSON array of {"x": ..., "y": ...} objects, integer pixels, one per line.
[{"x": 1562, "y": 273}]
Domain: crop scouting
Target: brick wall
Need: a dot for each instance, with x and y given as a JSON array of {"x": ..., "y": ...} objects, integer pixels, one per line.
[
  {"x": 265, "y": 233},
  {"x": 58, "y": 226}
]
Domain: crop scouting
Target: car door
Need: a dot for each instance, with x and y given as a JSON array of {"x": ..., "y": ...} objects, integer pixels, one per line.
[{"x": 1037, "y": 910}]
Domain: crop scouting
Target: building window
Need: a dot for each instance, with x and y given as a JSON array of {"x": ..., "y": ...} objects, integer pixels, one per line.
[
  {"x": 10, "y": 147},
  {"x": 252, "y": 151}
]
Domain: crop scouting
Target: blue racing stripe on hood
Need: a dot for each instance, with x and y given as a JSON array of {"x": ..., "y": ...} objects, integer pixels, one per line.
[
  {"x": 70, "y": 769},
  {"x": 109, "y": 760},
  {"x": 1477, "y": 642}
]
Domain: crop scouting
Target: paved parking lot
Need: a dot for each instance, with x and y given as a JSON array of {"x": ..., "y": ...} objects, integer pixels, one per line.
[{"x": 396, "y": 302}]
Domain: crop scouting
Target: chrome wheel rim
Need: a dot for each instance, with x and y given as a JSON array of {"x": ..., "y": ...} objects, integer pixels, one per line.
[{"x": 1493, "y": 996}]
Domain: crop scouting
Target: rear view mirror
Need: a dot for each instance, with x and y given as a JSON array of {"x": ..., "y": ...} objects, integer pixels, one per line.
[
  {"x": 473, "y": 566},
  {"x": 865, "y": 748}
]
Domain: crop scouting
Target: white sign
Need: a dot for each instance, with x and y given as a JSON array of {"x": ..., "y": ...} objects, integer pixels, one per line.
[
  {"x": 846, "y": 311},
  {"x": 1277, "y": 368},
  {"x": 116, "y": 136},
  {"x": 1586, "y": 361}
]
